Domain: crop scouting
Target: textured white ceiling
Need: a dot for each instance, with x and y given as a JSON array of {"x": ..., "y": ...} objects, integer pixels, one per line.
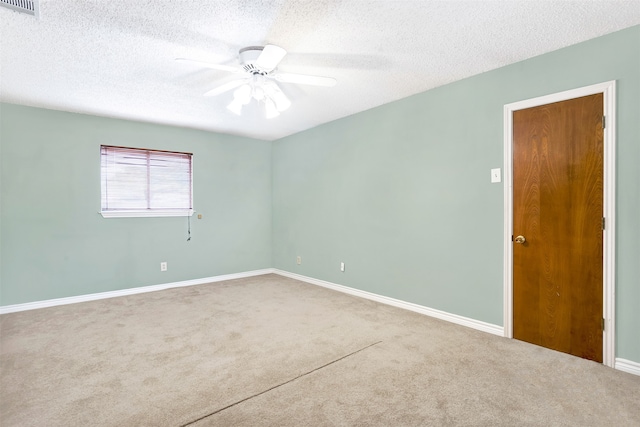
[{"x": 116, "y": 58}]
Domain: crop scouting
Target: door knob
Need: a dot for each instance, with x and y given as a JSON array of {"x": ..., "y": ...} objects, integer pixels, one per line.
[{"x": 520, "y": 239}]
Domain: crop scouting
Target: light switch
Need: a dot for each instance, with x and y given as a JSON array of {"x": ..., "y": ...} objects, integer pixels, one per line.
[{"x": 495, "y": 175}]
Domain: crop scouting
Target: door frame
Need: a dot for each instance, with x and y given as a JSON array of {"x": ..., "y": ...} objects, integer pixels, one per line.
[{"x": 608, "y": 89}]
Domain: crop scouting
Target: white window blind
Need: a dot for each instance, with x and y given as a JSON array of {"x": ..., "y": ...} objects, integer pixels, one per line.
[{"x": 139, "y": 182}]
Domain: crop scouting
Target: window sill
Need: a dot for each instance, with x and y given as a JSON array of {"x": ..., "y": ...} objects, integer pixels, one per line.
[{"x": 146, "y": 213}]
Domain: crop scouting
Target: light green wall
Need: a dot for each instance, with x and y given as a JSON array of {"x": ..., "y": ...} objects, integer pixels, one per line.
[
  {"x": 55, "y": 244},
  {"x": 401, "y": 193}
]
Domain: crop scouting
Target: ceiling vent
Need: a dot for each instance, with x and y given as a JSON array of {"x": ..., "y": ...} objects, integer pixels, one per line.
[{"x": 30, "y": 7}]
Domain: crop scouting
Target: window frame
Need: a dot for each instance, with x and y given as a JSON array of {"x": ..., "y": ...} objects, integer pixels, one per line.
[{"x": 149, "y": 212}]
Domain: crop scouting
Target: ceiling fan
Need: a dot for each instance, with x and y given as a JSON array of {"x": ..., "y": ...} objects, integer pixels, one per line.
[{"x": 257, "y": 79}]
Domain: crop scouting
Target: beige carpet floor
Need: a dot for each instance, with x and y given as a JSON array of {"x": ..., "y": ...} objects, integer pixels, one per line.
[{"x": 272, "y": 351}]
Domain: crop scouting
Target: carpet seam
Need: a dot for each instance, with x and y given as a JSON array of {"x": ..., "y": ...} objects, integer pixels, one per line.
[{"x": 278, "y": 385}]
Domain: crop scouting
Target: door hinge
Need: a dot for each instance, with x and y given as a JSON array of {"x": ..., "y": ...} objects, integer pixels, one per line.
[
  {"x": 603, "y": 323},
  {"x": 604, "y": 121},
  {"x": 603, "y": 223}
]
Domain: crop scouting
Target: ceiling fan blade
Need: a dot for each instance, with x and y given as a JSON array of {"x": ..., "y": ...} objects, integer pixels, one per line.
[
  {"x": 270, "y": 57},
  {"x": 305, "y": 79},
  {"x": 226, "y": 87},
  {"x": 221, "y": 67}
]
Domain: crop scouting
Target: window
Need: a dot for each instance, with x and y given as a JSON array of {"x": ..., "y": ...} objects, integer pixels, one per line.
[{"x": 138, "y": 182}]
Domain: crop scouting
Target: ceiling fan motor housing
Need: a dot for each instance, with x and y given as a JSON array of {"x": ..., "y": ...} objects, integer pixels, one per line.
[{"x": 248, "y": 57}]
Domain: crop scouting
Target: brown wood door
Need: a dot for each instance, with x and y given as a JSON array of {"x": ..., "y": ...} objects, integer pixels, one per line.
[{"x": 558, "y": 153}]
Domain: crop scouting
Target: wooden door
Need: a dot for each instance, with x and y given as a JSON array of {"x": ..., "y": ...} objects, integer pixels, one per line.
[{"x": 558, "y": 171}]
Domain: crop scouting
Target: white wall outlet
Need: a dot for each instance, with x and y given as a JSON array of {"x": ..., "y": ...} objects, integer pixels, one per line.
[
  {"x": 342, "y": 266},
  {"x": 163, "y": 266},
  {"x": 496, "y": 175},
  {"x": 298, "y": 260}
]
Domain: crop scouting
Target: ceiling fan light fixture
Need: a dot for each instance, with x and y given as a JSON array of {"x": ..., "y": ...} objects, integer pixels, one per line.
[
  {"x": 258, "y": 92},
  {"x": 273, "y": 91},
  {"x": 235, "y": 107},
  {"x": 270, "y": 109},
  {"x": 281, "y": 101},
  {"x": 242, "y": 94}
]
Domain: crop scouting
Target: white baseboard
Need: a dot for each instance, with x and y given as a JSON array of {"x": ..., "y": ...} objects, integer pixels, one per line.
[
  {"x": 112, "y": 294},
  {"x": 443, "y": 315},
  {"x": 627, "y": 366}
]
